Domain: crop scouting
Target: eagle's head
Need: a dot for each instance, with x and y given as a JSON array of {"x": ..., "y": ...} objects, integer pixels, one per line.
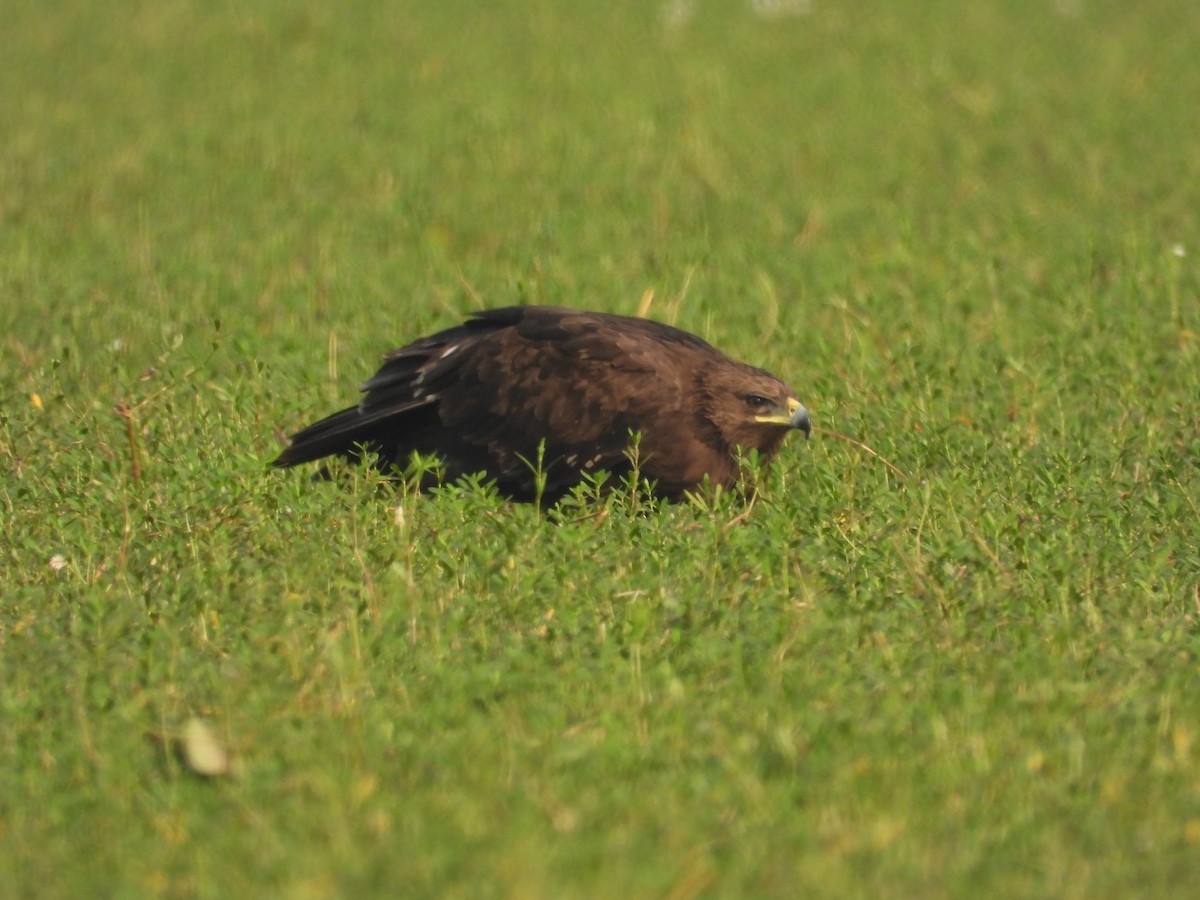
[{"x": 752, "y": 409}]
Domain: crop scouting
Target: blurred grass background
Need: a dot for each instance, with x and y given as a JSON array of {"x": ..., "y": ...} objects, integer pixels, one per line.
[{"x": 965, "y": 232}]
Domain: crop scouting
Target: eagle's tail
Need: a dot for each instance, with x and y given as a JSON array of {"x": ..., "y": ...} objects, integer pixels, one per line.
[
  {"x": 338, "y": 435},
  {"x": 387, "y": 429}
]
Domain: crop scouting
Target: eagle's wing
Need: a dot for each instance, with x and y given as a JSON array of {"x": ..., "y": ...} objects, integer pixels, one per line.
[{"x": 570, "y": 387}]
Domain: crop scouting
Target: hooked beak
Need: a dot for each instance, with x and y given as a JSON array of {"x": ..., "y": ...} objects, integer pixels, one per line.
[{"x": 799, "y": 417}]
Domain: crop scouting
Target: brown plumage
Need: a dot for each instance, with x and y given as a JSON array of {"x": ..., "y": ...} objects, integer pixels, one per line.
[{"x": 483, "y": 395}]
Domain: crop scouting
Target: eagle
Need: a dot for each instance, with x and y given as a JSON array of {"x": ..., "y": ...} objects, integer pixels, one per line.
[{"x": 539, "y": 399}]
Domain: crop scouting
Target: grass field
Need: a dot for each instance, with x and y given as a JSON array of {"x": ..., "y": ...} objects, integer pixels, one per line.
[{"x": 966, "y": 232}]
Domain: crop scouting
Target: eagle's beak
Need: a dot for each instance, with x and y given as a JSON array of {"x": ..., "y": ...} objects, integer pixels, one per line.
[{"x": 797, "y": 417}]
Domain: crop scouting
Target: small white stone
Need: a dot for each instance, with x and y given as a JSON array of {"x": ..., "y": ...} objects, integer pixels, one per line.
[{"x": 202, "y": 751}]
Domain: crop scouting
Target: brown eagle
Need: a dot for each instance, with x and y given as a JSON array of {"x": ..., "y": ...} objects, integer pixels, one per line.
[{"x": 511, "y": 386}]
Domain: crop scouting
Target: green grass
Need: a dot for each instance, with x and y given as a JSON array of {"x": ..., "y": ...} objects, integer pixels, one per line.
[{"x": 965, "y": 232}]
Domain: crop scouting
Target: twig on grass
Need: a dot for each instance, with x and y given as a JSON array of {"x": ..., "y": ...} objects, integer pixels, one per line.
[
  {"x": 743, "y": 516},
  {"x": 860, "y": 445},
  {"x": 126, "y": 413}
]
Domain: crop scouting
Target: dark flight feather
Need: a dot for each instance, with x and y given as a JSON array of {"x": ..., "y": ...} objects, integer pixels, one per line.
[{"x": 484, "y": 395}]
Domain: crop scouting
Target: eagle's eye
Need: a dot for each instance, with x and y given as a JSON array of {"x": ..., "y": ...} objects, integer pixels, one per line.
[{"x": 757, "y": 402}]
